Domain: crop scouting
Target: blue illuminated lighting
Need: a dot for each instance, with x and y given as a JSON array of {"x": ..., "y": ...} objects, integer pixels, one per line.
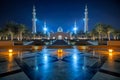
[
  {"x": 45, "y": 61},
  {"x": 75, "y": 29},
  {"x": 75, "y": 62},
  {"x": 74, "y": 57},
  {"x": 84, "y": 64},
  {"x": 36, "y": 19},
  {"x": 45, "y": 57},
  {"x": 36, "y": 68},
  {"x": 45, "y": 29}
]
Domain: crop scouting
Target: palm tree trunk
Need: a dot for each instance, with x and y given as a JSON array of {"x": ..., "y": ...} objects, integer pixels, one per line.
[
  {"x": 109, "y": 36},
  {"x": 21, "y": 36},
  {"x": 99, "y": 37},
  {"x": 114, "y": 37},
  {"x": 11, "y": 34},
  {"x": 0, "y": 37},
  {"x": 93, "y": 37},
  {"x": 117, "y": 37},
  {"x": 6, "y": 38},
  {"x": 18, "y": 38}
]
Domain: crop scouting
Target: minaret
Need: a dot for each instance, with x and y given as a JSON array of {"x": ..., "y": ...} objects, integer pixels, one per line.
[
  {"x": 34, "y": 21},
  {"x": 86, "y": 20},
  {"x": 75, "y": 27},
  {"x": 44, "y": 27}
]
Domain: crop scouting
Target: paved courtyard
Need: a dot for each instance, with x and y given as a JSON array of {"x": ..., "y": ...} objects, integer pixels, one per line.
[{"x": 48, "y": 64}]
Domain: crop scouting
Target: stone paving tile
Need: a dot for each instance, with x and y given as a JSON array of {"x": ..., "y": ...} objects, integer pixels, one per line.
[
  {"x": 30, "y": 61},
  {"x": 8, "y": 66},
  {"x": 90, "y": 61},
  {"x": 28, "y": 55},
  {"x": 103, "y": 76},
  {"x": 111, "y": 66},
  {"x": 61, "y": 67},
  {"x": 17, "y": 76}
]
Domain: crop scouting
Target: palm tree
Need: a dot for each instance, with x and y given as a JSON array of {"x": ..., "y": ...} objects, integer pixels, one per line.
[
  {"x": 1, "y": 34},
  {"x": 115, "y": 34},
  {"x": 21, "y": 30},
  {"x": 93, "y": 34},
  {"x": 99, "y": 29},
  {"x": 4, "y": 34},
  {"x": 9, "y": 28},
  {"x": 109, "y": 30}
]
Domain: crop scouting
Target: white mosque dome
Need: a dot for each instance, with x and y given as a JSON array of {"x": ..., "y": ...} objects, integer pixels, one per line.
[{"x": 59, "y": 29}]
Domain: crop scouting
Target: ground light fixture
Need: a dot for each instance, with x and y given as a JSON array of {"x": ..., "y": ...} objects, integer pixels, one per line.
[
  {"x": 110, "y": 50},
  {"x": 60, "y": 50},
  {"x": 10, "y": 54},
  {"x": 10, "y": 50},
  {"x": 60, "y": 53}
]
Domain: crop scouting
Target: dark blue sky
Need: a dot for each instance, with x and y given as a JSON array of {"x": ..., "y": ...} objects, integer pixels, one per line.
[{"x": 60, "y": 12}]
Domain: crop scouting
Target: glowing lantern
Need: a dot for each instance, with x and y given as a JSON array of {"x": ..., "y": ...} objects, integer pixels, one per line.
[
  {"x": 36, "y": 47},
  {"x": 10, "y": 54},
  {"x": 10, "y": 50},
  {"x": 60, "y": 53},
  {"x": 110, "y": 50},
  {"x": 110, "y": 54},
  {"x": 60, "y": 50}
]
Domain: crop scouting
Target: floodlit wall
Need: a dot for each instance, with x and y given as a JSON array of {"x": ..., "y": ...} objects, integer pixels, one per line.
[
  {"x": 6, "y": 43},
  {"x": 114, "y": 43}
]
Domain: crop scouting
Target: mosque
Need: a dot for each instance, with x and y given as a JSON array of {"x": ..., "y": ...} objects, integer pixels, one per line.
[{"x": 60, "y": 34}]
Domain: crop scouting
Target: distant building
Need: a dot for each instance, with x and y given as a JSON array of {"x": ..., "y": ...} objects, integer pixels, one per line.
[
  {"x": 86, "y": 20},
  {"x": 60, "y": 34},
  {"x": 34, "y": 20}
]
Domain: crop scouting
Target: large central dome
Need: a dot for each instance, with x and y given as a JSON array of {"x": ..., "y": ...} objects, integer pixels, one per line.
[{"x": 59, "y": 29}]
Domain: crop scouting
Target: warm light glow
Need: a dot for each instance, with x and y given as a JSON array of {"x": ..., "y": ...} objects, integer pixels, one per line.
[
  {"x": 10, "y": 50},
  {"x": 110, "y": 50},
  {"x": 110, "y": 54},
  {"x": 36, "y": 47},
  {"x": 60, "y": 50},
  {"x": 10, "y": 54},
  {"x": 60, "y": 53}
]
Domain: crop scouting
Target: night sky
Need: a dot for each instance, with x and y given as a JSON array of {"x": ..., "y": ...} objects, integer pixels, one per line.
[{"x": 60, "y": 13}]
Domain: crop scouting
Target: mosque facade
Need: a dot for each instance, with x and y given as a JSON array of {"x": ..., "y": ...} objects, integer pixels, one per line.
[{"x": 60, "y": 35}]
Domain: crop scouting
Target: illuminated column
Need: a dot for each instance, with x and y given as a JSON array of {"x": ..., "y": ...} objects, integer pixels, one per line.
[
  {"x": 45, "y": 28},
  {"x": 86, "y": 20},
  {"x": 34, "y": 21},
  {"x": 75, "y": 27}
]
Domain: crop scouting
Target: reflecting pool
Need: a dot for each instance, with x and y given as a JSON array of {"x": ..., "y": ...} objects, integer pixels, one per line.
[{"x": 54, "y": 64}]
